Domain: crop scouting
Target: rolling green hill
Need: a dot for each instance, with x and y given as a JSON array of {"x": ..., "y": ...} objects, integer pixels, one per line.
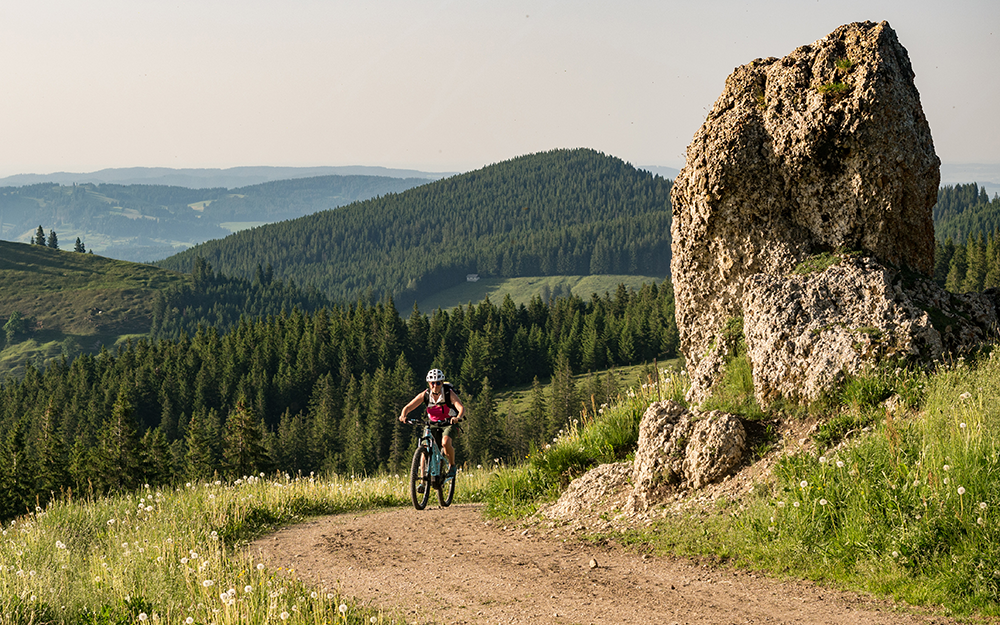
[
  {"x": 142, "y": 222},
  {"x": 70, "y": 302},
  {"x": 565, "y": 212}
]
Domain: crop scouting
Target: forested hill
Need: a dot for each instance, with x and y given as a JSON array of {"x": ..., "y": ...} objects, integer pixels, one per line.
[
  {"x": 553, "y": 213},
  {"x": 963, "y": 210}
]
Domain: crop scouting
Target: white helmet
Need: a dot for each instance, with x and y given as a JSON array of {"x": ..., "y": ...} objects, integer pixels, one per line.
[{"x": 435, "y": 375}]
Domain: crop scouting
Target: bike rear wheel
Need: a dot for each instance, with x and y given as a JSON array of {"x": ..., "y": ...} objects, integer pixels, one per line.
[
  {"x": 447, "y": 492},
  {"x": 419, "y": 471}
]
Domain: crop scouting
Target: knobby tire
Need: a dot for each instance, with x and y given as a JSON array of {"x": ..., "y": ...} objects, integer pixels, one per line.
[
  {"x": 449, "y": 487},
  {"x": 420, "y": 477}
]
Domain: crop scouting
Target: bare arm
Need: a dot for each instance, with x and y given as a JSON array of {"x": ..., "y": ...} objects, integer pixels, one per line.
[
  {"x": 458, "y": 407},
  {"x": 410, "y": 407}
]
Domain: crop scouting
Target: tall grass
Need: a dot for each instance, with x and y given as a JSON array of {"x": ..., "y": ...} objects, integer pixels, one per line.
[
  {"x": 176, "y": 556},
  {"x": 610, "y": 435},
  {"x": 910, "y": 509}
]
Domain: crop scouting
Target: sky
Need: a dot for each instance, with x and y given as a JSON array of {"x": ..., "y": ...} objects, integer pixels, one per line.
[{"x": 438, "y": 86}]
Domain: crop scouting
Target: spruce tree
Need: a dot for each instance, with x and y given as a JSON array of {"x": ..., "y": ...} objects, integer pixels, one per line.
[
  {"x": 157, "y": 459},
  {"x": 564, "y": 401},
  {"x": 53, "y": 457},
  {"x": 53, "y": 240},
  {"x": 118, "y": 459},
  {"x": 39, "y": 238},
  {"x": 482, "y": 438},
  {"x": 201, "y": 445},
  {"x": 243, "y": 451},
  {"x": 324, "y": 411},
  {"x": 79, "y": 246}
]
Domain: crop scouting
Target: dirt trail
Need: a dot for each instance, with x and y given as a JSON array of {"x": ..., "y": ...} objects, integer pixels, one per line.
[{"x": 474, "y": 571}]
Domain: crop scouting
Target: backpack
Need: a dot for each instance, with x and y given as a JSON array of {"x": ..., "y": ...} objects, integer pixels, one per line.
[{"x": 448, "y": 390}]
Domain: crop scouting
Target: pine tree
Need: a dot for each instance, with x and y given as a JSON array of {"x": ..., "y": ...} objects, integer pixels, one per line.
[
  {"x": 243, "y": 452},
  {"x": 118, "y": 459},
  {"x": 17, "y": 473},
  {"x": 39, "y": 238},
  {"x": 482, "y": 438},
  {"x": 53, "y": 240},
  {"x": 157, "y": 459},
  {"x": 324, "y": 410},
  {"x": 201, "y": 441},
  {"x": 79, "y": 246},
  {"x": 564, "y": 402},
  {"x": 957, "y": 270},
  {"x": 402, "y": 438},
  {"x": 975, "y": 274},
  {"x": 293, "y": 443},
  {"x": 53, "y": 459},
  {"x": 356, "y": 451}
]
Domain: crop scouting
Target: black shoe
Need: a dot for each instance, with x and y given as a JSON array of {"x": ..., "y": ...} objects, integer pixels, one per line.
[
  {"x": 451, "y": 472},
  {"x": 420, "y": 488}
]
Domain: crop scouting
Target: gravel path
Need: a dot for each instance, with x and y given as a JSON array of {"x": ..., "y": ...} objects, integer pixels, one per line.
[{"x": 452, "y": 566}]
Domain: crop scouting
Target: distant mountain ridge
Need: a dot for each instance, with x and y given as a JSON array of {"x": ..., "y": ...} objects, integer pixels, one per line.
[
  {"x": 194, "y": 178},
  {"x": 141, "y": 223}
]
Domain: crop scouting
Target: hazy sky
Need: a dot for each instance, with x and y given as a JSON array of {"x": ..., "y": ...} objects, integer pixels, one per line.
[{"x": 433, "y": 85}]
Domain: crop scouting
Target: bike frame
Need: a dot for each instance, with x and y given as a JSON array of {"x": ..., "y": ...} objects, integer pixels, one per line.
[{"x": 437, "y": 454}]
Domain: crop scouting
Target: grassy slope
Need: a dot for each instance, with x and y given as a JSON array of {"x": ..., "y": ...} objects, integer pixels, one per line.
[
  {"x": 521, "y": 290},
  {"x": 83, "y": 299}
]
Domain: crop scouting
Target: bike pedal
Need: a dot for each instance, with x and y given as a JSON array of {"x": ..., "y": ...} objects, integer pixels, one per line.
[{"x": 420, "y": 489}]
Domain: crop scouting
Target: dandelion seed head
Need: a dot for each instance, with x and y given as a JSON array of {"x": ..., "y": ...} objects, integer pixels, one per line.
[
  {"x": 822, "y": 502},
  {"x": 946, "y": 468},
  {"x": 803, "y": 484},
  {"x": 840, "y": 464},
  {"x": 961, "y": 490},
  {"x": 980, "y": 521},
  {"x": 822, "y": 459},
  {"x": 982, "y": 505},
  {"x": 343, "y": 608}
]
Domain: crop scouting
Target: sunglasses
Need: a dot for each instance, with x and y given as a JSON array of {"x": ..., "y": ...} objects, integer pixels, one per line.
[{"x": 435, "y": 384}]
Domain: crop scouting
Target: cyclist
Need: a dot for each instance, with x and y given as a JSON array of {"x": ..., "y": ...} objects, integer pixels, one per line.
[{"x": 443, "y": 406}]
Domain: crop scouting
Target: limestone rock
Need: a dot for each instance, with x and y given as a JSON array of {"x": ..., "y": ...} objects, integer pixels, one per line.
[
  {"x": 678, "y": 449},
  {"x": 659, "y": 453},
  {"x": 804, "y": 332},
  {"x": 827, "y": 148},
  {"x": 716, "y": 445}
]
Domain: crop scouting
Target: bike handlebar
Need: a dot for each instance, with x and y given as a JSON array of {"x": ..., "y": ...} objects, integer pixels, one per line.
[{"x": 424, "y": 421}]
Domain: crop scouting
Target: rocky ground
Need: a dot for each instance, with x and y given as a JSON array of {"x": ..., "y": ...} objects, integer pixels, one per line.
[{"x": 451, "y": 565}]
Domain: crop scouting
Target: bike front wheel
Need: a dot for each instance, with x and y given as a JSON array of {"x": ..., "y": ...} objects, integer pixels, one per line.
[{"x": 419, "y": 471}]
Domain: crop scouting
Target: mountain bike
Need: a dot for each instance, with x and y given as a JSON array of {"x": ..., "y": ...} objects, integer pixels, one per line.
[{"x": 430, "y": 468}]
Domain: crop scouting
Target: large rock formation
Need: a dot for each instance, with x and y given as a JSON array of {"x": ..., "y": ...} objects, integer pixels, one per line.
[{"x": 825, "y": 149}]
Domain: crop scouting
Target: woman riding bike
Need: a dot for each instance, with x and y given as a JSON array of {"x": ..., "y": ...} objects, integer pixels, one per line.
[{"x": 443, "y": 406}]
